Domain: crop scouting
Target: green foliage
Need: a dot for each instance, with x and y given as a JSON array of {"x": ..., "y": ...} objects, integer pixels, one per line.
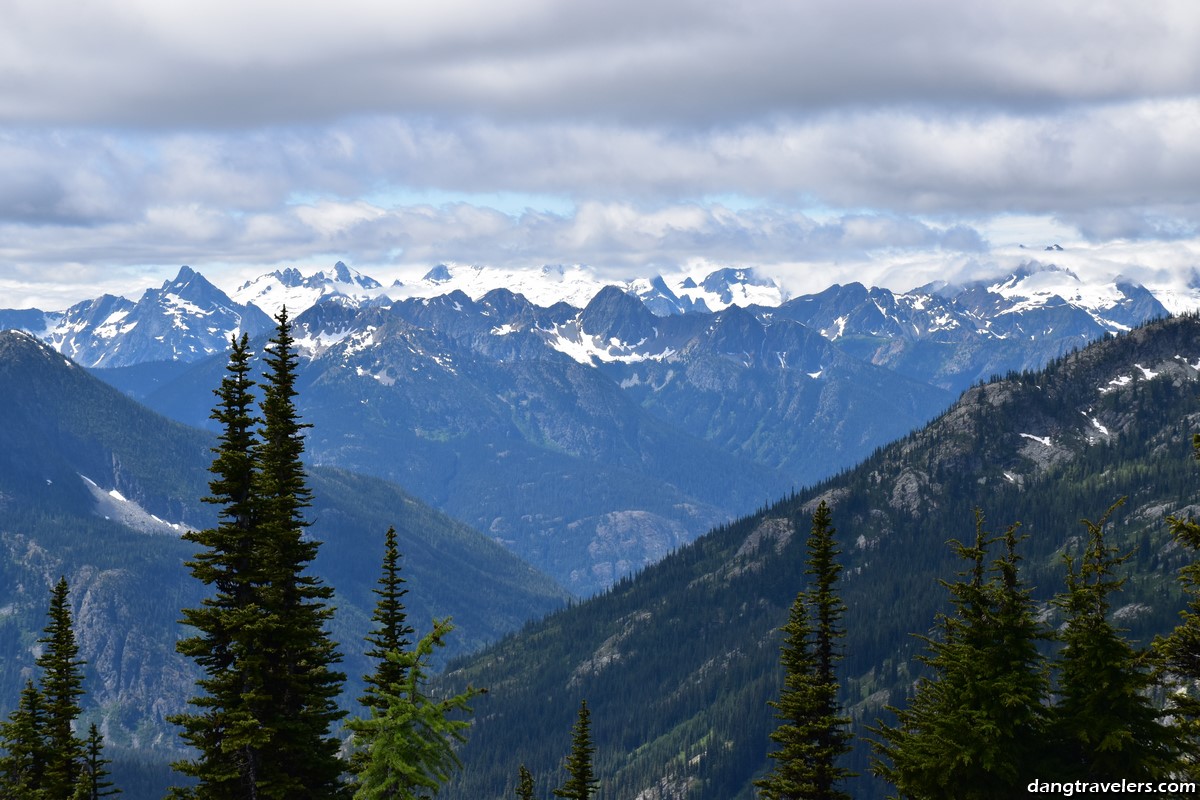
[
  {"x": 791, "y": 776},
  {"x": 524, "y": 790},
  {"x": 581, "y": 779},
  {"x": 976, "y": 728},
  {"x": 65, "y": 422},
  {"x": 408, "y": 742},
  {"x": 300, "y": 696},
  {"x": 23, "y": 737},
  {"x": 1104, "y": 726},
  {"x": 392, "y": 631},
  {"x": 61, "y": 688},
  {"x": 93, "y": 778},
  {"x": 43, "y": 759},
  {"x": 225, "y": 731},
  {"x": 813, "y": 734},
  {"x": 263, "y": 720},
  {"x": 1180, "y": 650}
]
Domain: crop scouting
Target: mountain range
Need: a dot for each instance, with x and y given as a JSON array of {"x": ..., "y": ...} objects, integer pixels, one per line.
[
  {"x": 599, "y": 441},
  {"x": 678, "y": 663},
  {"x": 98, "y": 489},
  {"x": 593, "y": 439}
]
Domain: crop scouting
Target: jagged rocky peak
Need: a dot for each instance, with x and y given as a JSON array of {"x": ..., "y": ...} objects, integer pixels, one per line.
[
  {"x": 192, "y": 286},
  {"x": 288, "y": 276},
  {"x": 504, "y": 303},
  {"x": 616, "y": 314},
  {"x": 92, "y": 312},
  {"x": 723, "y": 279},
  {"x": 292, "y": 288},
  {"x": 439, "y": 274},
  {"x": 341, "y": 274},
  {"x": 661, "y": 301},
  {"x": 737, "y": 331},
  {"x": 732, "y": 286},
  {"x": 186, "y": 275}
]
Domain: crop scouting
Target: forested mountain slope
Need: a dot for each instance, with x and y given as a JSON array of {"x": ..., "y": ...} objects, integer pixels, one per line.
[
  {"x": 592, "y": 439},
  {"x": 96, "y": 488},
  {"x": 678, "y": 663}
]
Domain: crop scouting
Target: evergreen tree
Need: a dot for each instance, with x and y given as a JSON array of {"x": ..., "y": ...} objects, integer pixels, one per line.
[
  {"x": 1180, "y": 650},
  {"x": 262, "y": 724},
  {"x": 389, "y": 636},
  {"x": 581, "y": 782},
  {"x": 23, "y": 737},
  {"x": 392, "y": 631},
  {"x": 225, "y": 730},
  {"x": 301, "y": 695},
  {"x": 813, "y": 733},
  {"x": 1104, "y": 726},
  {"x": 975, "y": 729},
  {"x": 408, "y": 742},
  {"x": 93, "y": 778},
  {"x": 791, "y": 775},
  {"x": 524, "y": 790},
  {"x": 61, "y": 688}
]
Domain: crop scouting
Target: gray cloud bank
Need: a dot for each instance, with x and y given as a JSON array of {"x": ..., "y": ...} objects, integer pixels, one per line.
[
  {"x": 639, "y": 134},
  {"x": 668, "y": 62}
]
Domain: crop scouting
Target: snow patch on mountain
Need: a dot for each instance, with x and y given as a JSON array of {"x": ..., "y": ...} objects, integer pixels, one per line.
[
  {"x": 113, "y": 505},
  {"x": 1146, "y": 373},
  {"x": 587, "y": 349}
]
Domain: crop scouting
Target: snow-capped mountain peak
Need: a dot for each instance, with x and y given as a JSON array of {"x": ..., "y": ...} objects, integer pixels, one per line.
[
  {"x": 1111, "y": 304},
  {"x": 732, "y": 287},
  {"x": 299, "y": 292},
  {"x": 577, "y": 284},
  {"x": 185, "y": 319}
]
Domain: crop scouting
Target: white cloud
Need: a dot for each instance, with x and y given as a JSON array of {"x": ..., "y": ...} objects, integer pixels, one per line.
[{"x": 865, "y": 137}]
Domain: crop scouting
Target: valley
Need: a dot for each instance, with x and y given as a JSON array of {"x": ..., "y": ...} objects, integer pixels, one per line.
[{"x": 589, "y": 450}]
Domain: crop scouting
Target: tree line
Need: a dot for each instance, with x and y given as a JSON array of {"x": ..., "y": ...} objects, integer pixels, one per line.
[
  {"x": 997, "y": 716},
  {"x": 1006, "y": 700},
  {"x": 263, "y": 724}
]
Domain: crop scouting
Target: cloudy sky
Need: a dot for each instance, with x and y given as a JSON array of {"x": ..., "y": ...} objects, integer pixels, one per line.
[{"x": 820, "y": 141}]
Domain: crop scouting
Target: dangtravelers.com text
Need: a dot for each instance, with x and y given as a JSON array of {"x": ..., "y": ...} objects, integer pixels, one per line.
[{"x": 1069, "y": 788}]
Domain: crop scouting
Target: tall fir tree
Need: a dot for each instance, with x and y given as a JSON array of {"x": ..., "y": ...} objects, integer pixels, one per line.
[
  {"x": 225, "y": 729},
  {"x": 262, "y": 726},
  {"x": 813, "y": 733},
  {"x": 390, "y": 635},
  {"x": 23, "y": 737},
  {"x": 581, "y": 780},
  {"x": 1179, "y": 652},
  {"x": 61, "y": 688},
  {"x": 974, "y": 729},
  {"x": 391, "y": 632},
  {"x": 1104, "y": 726},
  {"x": 790, "y": 776},
  {"x": 93, "y": 778},
  {"x": 301, "y": 696}
]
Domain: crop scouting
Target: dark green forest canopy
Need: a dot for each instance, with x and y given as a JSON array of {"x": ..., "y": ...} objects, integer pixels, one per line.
[{"x": 678, "y": 663}]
